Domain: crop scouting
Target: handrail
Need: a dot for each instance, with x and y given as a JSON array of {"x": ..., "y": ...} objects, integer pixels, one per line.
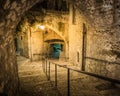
[
  {"x": 101, "y": 60},
  {"x": 90, "y": 74},
  {"x": 46, "y": 65}
]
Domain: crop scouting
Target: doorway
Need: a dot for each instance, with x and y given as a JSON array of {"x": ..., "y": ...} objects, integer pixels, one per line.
[{"x": 55, "y": 50}]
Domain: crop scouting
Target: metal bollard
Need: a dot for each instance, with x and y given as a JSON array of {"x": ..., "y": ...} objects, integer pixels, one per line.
[{"x": 46, "y": 67}]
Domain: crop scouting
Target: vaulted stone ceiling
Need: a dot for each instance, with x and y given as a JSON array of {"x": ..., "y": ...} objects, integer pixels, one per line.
[
  {"x": 93, "y": 10},
  {"x": 39, "y": 8},
  {"x": 59, "y": 5}
]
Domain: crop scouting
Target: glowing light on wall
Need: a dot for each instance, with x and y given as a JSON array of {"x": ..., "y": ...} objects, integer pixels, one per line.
[{"x": 41, "y": 27}]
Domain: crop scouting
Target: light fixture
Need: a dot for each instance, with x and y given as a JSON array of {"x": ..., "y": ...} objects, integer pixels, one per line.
[{"x": 41, "y": 27}]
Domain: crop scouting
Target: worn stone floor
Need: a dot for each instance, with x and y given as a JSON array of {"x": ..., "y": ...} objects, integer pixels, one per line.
[{"x": 33, "y": 82}]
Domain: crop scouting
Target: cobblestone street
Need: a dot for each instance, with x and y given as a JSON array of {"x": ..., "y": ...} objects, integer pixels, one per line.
[{"x": 33, "y": 82}]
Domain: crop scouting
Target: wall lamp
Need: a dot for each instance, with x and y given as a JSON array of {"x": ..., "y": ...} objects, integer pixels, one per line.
[{"x": 42, "y": 27}]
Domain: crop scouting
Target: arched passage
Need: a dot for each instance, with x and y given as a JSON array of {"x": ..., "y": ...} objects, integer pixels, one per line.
[{"x": 93, "y": 10}]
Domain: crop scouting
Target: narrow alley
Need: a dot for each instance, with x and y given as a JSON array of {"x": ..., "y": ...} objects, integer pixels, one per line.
[
  {"x": 59, "y": 47},
  {"x": 33, "y": 81}
]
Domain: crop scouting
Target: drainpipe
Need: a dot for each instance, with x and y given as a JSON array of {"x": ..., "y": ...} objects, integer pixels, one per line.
[
  {"x": 84, "y": 47},
  {"x": 43, "y": 44}
]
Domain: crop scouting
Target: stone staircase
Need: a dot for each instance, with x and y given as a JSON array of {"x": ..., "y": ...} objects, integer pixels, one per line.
[
  {"x": 33, "y": 82},
  {"x": 84, "y": 85}
]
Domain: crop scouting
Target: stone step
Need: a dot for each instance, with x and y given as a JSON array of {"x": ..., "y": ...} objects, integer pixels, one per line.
[
  {"x": 110, "y": 92},
  {"x": 87, "y": 89},
  {"x": 44, "y": 88},
  {"x": 34, "y": 83}
]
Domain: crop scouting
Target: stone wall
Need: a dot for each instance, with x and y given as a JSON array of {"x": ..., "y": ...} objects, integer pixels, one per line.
[
  {"x": 11, "y": 12},
  {"x": 102, "y": 38},
  {"x": 56, "y": 27},
  {"x": 22, "y": 40},
  {"x": 103, "y": 41},
  {"x": 37, "y": 44},
  {"x": 53, "y": 20}
]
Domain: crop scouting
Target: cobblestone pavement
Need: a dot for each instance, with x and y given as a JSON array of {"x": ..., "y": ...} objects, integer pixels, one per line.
[{"x": 33, "y": 82}]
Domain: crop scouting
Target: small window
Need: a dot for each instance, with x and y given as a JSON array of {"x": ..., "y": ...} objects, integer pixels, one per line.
[
  {"x": 78, "y": 57},
  {"x": 21, "y": 37},
  {"x": 61, "y": 27},
  {"x": 73, "y": 17}
]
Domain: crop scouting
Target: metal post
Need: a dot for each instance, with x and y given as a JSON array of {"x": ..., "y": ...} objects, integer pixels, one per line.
[
  {"x": 49, "y": 72},
  {"x": 84, "y": 47},
  {"x": 55, "y": 75},
  {"x": 46, "y": 67},
  {"x": 68, "y": 81},
  {"x": 42, "y": 66},
  {"x": 31, "y": 53}
]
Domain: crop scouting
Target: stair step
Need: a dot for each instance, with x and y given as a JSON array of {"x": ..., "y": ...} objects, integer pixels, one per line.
[{"x": 110, "y": 92}]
